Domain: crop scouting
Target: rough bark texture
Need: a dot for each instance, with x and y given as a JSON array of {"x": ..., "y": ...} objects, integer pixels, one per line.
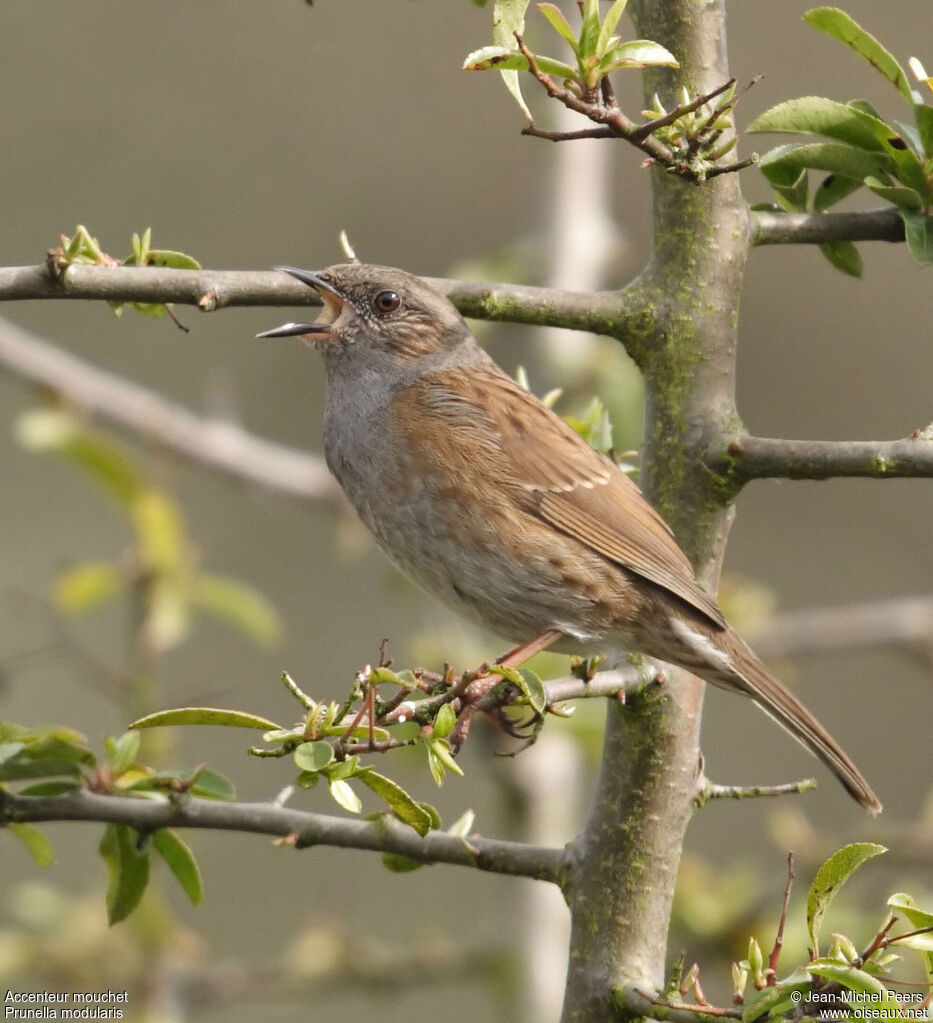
[{"x": 621, "y": 886}]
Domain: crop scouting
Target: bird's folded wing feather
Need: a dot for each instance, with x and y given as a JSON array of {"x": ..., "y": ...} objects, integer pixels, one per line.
[{"x": 499, "y": 429}]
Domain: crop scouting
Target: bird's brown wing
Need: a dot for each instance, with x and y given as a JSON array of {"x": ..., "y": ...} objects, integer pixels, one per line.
[{"x": 499, "y": 426}]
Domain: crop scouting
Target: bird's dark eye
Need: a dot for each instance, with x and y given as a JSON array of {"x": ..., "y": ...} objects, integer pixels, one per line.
[{"x": 387, "y": 301}]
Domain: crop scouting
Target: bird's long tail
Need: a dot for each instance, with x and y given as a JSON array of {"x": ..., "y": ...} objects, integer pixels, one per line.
[{"x": 741, "y": 670}]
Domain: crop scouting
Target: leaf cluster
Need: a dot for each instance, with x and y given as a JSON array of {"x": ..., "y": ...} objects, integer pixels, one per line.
[
  {"x": 55, "y": 760},
  {"x": 891, "y": 158}
]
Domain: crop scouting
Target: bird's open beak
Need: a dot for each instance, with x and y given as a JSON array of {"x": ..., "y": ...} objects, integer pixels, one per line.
[{"x": 333, "y": 307}]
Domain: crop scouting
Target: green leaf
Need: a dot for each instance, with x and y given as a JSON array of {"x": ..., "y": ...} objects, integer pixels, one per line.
[
  {"x": 122, "y": 752},
  {"x": 181, "y": 862},
  {"x": 836, "y": 23},
  {"x": 815, "y": 115},
  {"x": 609, "y": 24},
  {"x": 559, "y": 23},
  {"x": 49, "y": 788},
  {"x": 404, "y": 807},
  {"x": 313, "y": 756},
  {"x": 240, "y": 606},
  {"x": 782, "y": 166},
  {"x": 441, "y": 749},
  {"x": 832, "y": 189},
  {"x": 400, "y": 864},
  {"x": 844, "y": 256},
  {"x": 157, "y": 520},
  {"x": 589, "y": 33},
  {"x": 848, "y": 975},
  {"x": 918, "y": 229},
  {"x": 529, "y": 683},
  {"x": 88, "y": 584},
  {"x": 54, "y": 430},
  {"x": 508, "y": 17},
  {"x": 904, "y": 904},
  {"x": 345, "y": 796},
  {"x": 924, "y": 116},
  {"x": 463, "y": 825},
  {"x": 897, "y": 195},
  {"x": 211, "y": 784},
  {"x": 169, "y": 257},
  {"x": 793, "y": 196},
  {"x": 774, "y": 1002},
  {"x": 444, "y": 721},
  {"x": 127, "y": 868},
  {"x": 500, "y": 57},
  {"x": 638, "y": 53},
  {"x": 38, "y": 846},
  {"x": 830, "y": 878},
  {"x": 204, "y": 716}
]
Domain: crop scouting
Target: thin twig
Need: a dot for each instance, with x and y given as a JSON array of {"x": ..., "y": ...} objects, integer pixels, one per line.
[{"x": 775, "y": 957}]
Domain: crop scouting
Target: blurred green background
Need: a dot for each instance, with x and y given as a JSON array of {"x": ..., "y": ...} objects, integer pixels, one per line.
[{"x": 250, "y": 134}]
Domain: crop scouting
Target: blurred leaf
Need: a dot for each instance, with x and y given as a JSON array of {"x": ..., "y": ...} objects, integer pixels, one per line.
[
  {"x": 815, "y": 115},
  {"x": 38, "y": 846},
  {"x": 313, "y": 756},
  {"x": 441, "y": 749},
  {"x": 782, "y": 166},
  {"x": 240, "y": 606},
  {"x": 850, "y": 976},
  {"x": 924, "y": 116},
  {"x": 830, "y": 878},
  {"x": 463, "y": 825},
  {"x": 610, "y": 22},
  {"x": 49, "y": 788},
  {"x": 501, "y": 57},
  {"x": 589, "y": 33},
  {"x": 345, "y": 796},
  {"x": 167, "y": 620},
  {"x": 88, "y": 584},
  {"x": 833, "y": 189},
  {"x": 836, "y": 23},
  {"x": 211, "y": 784},
  {"x": 897, "y": 195},
  {"x": 844, "y": 256},
  {"x": 529, "y": 683},
  {"x": 559, "y": 23},
  {"x": 918, "y": 229},
  {"x": 508, "y": 17},
  {"x": 404, "y": 807},
  {"x": 204, "y": 716},
  {"x": 444, "y": 721},
  {"x": 181, "y": 862},
  {"x": 57, "y": 431},
  {"x": 122, "y": 752},
  {"x": 399, "y": 864},
  {"x": 638, "y": 53},
  {"x": 158, "y": 523},
  {"x": 127, "y": 868},
  {"x": 169, "y": 257},
  {"x": 905, "y": 904}
]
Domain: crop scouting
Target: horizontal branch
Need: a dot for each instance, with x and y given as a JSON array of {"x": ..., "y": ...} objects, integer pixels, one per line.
[
  {"x": 216, "y": 443},
  {"x": 635, "y": 1003},
  {"x": 883, "y": 225},
  {"x": 748, "y": 458},
  {"x": 905, "y": 621},
  {"x": 385, "y": 835},
  {"x": 217, "y": 289}
]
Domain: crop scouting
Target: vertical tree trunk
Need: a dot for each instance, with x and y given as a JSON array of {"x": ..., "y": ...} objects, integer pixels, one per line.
[{"x": 621, "y": 887}]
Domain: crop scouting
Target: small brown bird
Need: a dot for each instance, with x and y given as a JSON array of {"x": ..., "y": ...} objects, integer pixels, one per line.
[{"x": 490, "y": 501}]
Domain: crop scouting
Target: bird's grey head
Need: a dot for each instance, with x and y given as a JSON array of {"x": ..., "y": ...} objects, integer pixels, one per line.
[{"x": 376, "y": 308}]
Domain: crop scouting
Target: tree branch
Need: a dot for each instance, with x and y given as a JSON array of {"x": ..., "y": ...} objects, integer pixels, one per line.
[
  {"x": 384, "y": 835},
  {"x": 748, "y": 458},
  {"x": 899, "y": 620},
  {"x": 882, "y": 225},
  {"x": 217, "y": 289},
  {"x": 219, "y": 444},
  {"x": 636, "y": 1003}
]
